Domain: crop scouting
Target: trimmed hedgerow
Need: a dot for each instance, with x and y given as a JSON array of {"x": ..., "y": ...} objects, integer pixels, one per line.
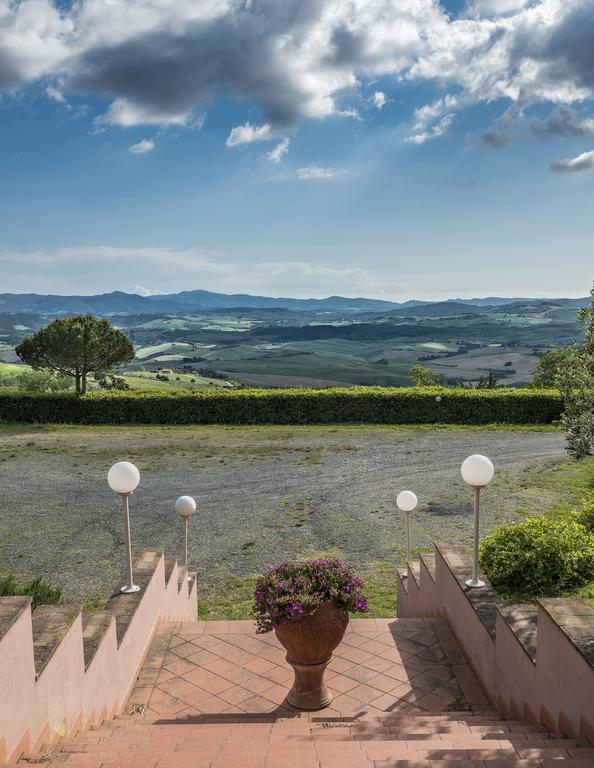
[{"x": 372, "y": 405}]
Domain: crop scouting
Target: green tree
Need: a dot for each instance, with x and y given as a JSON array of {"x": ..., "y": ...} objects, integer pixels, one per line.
[
  {"x": 548, "y": 367},
  {"x": 575, "y": 379},
  {"x": 487, "y": 382},
  {"x": 43, "y": 381},
  {"x": 586, "y": 318},
  {"x": 109, "y": 381},
  {"x": 75, "y": 347},
  {"x": 423, "y": 377}
]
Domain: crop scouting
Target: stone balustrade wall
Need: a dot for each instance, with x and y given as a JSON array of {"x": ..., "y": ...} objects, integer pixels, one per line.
[
  {"x": 63, "y": 669},
  {"x": 535, "y": 662}
]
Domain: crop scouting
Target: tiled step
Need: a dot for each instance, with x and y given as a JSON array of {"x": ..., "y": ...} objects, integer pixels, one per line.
[
  {"x": 10, "y": 610},
  {"x": 50, "y": 623},
  {"x": 442, "y": 740},
  {"x": 414, "y": 571},
  {"x": 428, "y": 559},
  {"x": 94, "y": 626}
]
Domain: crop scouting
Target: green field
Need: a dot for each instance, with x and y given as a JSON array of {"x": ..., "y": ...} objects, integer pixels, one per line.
[{"x": 136, "y": 380}]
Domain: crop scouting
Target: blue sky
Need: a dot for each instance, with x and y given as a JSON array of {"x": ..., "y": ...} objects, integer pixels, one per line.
[{"x": 351, "y": 148}]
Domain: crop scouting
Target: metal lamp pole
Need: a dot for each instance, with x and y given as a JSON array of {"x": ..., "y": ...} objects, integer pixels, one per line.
[
  {"x": 478, "y": 472},
  {"x": 185, "y": 507},
  {"x": 123, "y": 478},
  {"x": 406, "y": 501},
  {"x": 130, "y": 586}
]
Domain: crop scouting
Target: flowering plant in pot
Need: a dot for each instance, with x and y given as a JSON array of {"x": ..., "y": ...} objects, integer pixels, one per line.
[{"x": 307, "y": 604}]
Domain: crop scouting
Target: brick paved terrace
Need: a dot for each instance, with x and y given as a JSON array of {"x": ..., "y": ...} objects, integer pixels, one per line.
[{"x": 382, "y": 665}]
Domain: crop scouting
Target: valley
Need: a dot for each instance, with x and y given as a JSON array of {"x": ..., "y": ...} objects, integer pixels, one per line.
[{"x": 191, "y": 344}]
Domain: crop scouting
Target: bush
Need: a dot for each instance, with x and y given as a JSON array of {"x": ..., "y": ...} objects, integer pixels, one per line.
[
  {"x": 370, "y": 405},
  {"x": 38, "y": 589},
  {"x": 585, "y": 514},
  {"x": 538, "y": 557}
]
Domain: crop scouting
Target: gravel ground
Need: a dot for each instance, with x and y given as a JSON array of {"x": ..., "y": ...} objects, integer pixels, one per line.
[{"x": 263, "y": 493}]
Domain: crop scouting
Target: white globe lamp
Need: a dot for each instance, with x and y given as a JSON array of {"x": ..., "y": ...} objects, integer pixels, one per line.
[
  {"x": 185, "y": 507},
  {"x": 477, "y": 471},
  {"x": 406, "y": 501},
  {"x": 123, "y": 478}
]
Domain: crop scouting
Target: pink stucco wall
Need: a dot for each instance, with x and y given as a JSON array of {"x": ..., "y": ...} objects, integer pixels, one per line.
[
  {"x": 67, "y": 697},
  {"x": 557, "y": 687}
]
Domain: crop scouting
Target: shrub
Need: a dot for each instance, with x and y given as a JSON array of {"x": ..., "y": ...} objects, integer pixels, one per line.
[
  {"x": 370, "y": 405},
  {"x": 38, "y": 589},
  {"x": 539, "y": 557},
  {"x": 291, "y": 590},
  {"x": 585, "y": 514}
]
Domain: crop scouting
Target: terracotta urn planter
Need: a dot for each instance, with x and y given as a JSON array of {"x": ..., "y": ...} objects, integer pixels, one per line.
[{"x": 309, "y": 643}]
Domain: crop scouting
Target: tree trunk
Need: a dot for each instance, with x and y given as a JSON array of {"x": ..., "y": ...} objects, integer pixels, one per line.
[
  {"x": 77, "y": 383},
  {"x": 83, "y": 389}
]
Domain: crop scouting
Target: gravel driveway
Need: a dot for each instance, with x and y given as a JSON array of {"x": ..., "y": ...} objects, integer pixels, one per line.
[{"x": 263, "y": 493}]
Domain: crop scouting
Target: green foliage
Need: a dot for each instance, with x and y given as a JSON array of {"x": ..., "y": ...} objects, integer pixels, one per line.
[
  {"x": 549, "y": 366},
  {"x": 38, "y": 589},
  {"x": 585, "y": 514},
  {"x": 76, "y": 346},
  {"x": 423, "y": 377},
  {"x": 538, "y": 556},
  {"x": 576, "y": 382},
  {"x": 487, "y": 382},
  {"x": 367, "y": 405},
  {"x": 109, "y": 381},
  {"x": 43, "y": 380},
  {"x": 292, "y": 590}
]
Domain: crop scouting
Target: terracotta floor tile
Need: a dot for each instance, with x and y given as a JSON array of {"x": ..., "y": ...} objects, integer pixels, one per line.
[
  {"x": 343, "y": 684},
  {"x": 259, "y": 666},
  {"x": 361, "y": 674},
  {"x": 235, "y": 694},
  {"x": 257, "y": 704}
]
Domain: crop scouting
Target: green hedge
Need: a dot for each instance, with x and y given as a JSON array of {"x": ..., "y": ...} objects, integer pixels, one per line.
[{"x": 372, "y": 405}]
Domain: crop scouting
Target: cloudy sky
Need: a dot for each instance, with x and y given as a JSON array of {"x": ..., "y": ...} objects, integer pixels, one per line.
[{"x": 390, "y": 148}]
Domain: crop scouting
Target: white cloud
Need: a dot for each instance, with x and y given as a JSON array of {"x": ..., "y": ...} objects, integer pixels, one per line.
[
  {"x": 583, "y": 162},
  {"x": 379, "y": 99},
  {"x": 317, "y": 172},
  {"x": 495, "y": 7},
  {"x": 126, "y": 114},
  {"x": 158, "y": 62},
  {"x": 55, "y": 94},
  {"x": 167, "y": 270},
  {"x": 435, "y": 132},
  {"x": 142, "y": 291},
  {"x": 144, "y": 146},
  {"x": 350, "y": 112},
  {"x": 276, "y": 155},
  {"x": 248, "y": 133}
]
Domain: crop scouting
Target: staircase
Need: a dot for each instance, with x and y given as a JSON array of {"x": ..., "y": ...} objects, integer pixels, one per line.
[
  {"x": 408, "y": 740},
  {"x": 212, "y": 695}
]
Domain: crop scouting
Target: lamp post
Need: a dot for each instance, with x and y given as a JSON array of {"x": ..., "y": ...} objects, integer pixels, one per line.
[
  {"x": 123, "y": 478},
  {"x": 185, "y": 507},
  {"x": 406, "y": 501},
  {"x": 477, "y": 471}
]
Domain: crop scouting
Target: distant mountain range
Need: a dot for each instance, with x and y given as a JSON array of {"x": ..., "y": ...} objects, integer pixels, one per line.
[{"x": 186, "y": 302}]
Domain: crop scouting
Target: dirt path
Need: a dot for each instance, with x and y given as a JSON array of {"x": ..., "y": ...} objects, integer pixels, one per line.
[{"x": 263, "y": 493}]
